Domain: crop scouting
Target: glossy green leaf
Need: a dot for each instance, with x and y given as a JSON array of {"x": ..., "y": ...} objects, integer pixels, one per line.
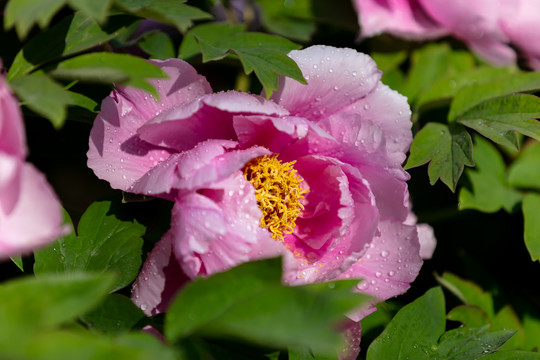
[
  {"x": 17, "y": 260},
  {"x": 469, "y": 315},
  {"x": 291, "y": 19},
  {"x": 24, "y": 14},
  {"x": 468, "y": 292},
  {"x": 110, "y": 68},
  {"x": 471, "y": 96},
  {"x": 525, "y": 170},
  {"x": 250, "y": 303},
  {"x": 76, "y": 33},
  {"x": 103, "y": 243},
  {"x": 260, "y": 53},
  {"x": 172, "y": 12},
  {"x": 490, "y": 190},
  {"x": 495, "y": 118},
  {"x": 50, "y": 101},
  {"x": 531, "y": 213},
  {"x": 445, "y": 88},
  {"x": 469, "y": 343},
  {"x": 513, "y": 355},
  {"x": 413, "y": 330},
  {"x": 447, "y": 149},
  {"x": 116, "y": 314},
  {"x": 29, "y": 305},
  {"x": 158, "y": 45},
  {"x": 507, "y": 319},
  {"x": 98, "y": 10}
]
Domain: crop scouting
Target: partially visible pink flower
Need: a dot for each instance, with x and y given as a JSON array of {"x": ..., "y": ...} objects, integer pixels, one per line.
[
  {"x": 402, "y": 18},
  {"x": 328, "y": 154},
  {"x": 30, "y": 213}
]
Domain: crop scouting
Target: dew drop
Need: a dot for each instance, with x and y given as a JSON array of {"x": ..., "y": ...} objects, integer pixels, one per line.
[
  {"x": 378, "y": 274},
  {"x": 384, "y": 253}
]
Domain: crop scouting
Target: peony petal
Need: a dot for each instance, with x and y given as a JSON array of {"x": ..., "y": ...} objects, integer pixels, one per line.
[
  {"x": 336, "y": 79},
  {"x": 10, "y": 182},
  {"x": 159, "y": 280},
  {"x": 219, "y": 228},
  {"x": 353, "y": 333},
  {"x": 390, "y": 264},
  {"x": 331, "y": 235},
  {"x": 36, "y": 218},
  {"x": 12, "y": 136},
  {"x": 477, "y": 24},
  {"x": 402, "y": 18},
  {"x": 426, "y": 237},
  {"x": 210, "y": 117}
]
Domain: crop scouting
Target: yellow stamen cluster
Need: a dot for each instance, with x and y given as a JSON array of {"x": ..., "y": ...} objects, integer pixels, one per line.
[{"x": 278, "y": 192}]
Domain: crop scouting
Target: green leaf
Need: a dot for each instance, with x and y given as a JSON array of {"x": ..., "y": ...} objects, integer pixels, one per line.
[
  {"x": 469, "y": 315},
  {"x": 24, "y": 14},
  {"x": 525, "y": 170},
  {"x": 158, "y": 45},
  {"x": 116, "y": 314},
  {"x": 50, "y": 101},
  {"x": 531, "y": 212},
  {"x": 260, "y": 53},
  {"x": 447, "y": 148},
  {"x": 413, "y": 330},
  {"x": 17, "y": 260},
  {"x": 433, "y": 62},
  {"x": 495, "y": 118},
  {"x": 172, "y": 12},
  {"x": 468, "y": 292},
  {"x": 110, "y": 68},
  {"x": 513, "y": 355},
  {"x": 98, "y": 10},
  {"x": 76, "y": 33},
  {"x": 103, "y": 243},
  {"x": 292, "y": 19},
  {"x": 490, "y": 190},
  {"x": 469, "y": 343},
  {"x": 250, "y": 303},
  {"x": 445, "y": 88},
  {"x": 470, "y": 96},
  {"x": 29, "y": 305},
  {"x": 507, "y": 319},
  {"x": 531, "y": 327}
]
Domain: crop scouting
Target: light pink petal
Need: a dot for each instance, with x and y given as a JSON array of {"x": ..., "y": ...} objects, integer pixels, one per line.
[
  {"x": 12, "y": 136},
  {"x": 352, "y": 333},
  {"x": 402, "y": 18},
  {"x": 219, "y": 228},
  {"x": 390, "y": 264},
  {"x": 36, "y": 219},
  {"x": 210, "y": 117},
  {"x": 389, "y": 111},
  {"x": 477, "y": 24},
  {"x": 338, "y": 223},
  {"x": 159, "y": 280},
  {"x": 183, "y": 86},
  {"x": 426, "y": 237},
  {"x": 205, "y": 164},
  {"x": 116, "y": 153},
  {"x": 522, "y": 29},
  {"x": 336, "y": 79},
  {"x": 10, "y": 182}
]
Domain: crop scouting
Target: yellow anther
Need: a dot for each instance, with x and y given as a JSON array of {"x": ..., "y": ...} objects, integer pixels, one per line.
[{"x": 278, "y": 192}]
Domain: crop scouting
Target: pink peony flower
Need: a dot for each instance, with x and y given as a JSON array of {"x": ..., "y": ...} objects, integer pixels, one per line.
[
  {"x": 313, "y": 174},
  {"x": 30, "y": 213},
  {"x": 402, "y": 18}
]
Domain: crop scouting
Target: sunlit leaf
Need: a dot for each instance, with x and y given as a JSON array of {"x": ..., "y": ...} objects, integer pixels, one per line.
[{"x": 531, "y": 212}]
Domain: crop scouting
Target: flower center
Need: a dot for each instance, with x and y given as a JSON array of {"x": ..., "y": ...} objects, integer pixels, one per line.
[{"x": 278, "y": 192}]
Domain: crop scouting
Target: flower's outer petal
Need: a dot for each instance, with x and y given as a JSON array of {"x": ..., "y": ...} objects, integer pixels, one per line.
[
  {"x": 36, "y": 218},
  {"x": 205, "y": 164},
  {"x": 210, "y": 117},
  {"x": 183, "y": 86},
  {"x": 10, "y": 182},
  {"x": 338, "y": 223},
  {"x": 402, "y": 18},
  {"x": 219, "y": 228},
  {"x": 159, "y": 280},
  {"x": 426, "y": 236},
  {"x": 116, "y": 152},
  {"x": 353, "y": 333},
  {"x": 522, "y": 29},
  {"x": 336, "y": 79},
  {"x": 477, "y": 23},
  {"x": 388, "y": 110},
  {"x": 390, "y": 264},
  {"x": 12, "y": 136}
]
